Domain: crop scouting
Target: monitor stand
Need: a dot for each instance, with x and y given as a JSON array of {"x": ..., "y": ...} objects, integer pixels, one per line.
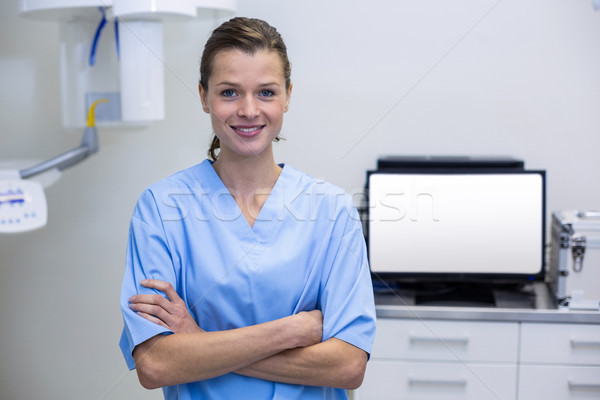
[{"x": 456, "y": 294}]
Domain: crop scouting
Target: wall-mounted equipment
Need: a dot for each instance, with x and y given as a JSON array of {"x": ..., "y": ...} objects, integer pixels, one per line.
[
  {"x": 114, "y": 49},
  {"x": 22, "y": 203},
  {"x": 22, "y": 200}
]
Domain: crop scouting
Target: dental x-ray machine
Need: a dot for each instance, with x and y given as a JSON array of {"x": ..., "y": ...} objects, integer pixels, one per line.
[{"x": 22, "y": 200}]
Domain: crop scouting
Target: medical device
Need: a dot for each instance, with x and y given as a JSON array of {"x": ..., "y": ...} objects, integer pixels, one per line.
[
  {"x": 114, "y": 49},
  {"x": 22, "y": 204},
  {"x": 22, "y": 200}
]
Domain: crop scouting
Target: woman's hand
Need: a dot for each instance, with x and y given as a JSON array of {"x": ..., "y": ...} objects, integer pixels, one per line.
[
  {"x": 171, "y": 313},
  {"x": 309, "y": 327}
]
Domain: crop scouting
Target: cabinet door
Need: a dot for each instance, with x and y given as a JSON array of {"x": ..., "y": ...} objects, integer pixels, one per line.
[
  {"x": 560, "y": 343},
  {"x": 397, "y": 380},
  {"x": 446, "y": 340},
  {"x": 558, "y": 382}
]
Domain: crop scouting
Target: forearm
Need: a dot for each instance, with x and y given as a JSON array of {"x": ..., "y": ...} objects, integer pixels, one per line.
[
  {"x": 188, "y": 357},
  {"x": 333, "y": 363}
]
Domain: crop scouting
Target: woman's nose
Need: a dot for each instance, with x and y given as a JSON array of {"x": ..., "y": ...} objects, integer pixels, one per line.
[{"x": 249, "y": 107}]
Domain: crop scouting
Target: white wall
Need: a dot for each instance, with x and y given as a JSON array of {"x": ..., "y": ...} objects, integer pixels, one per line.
[{"x": 370, "y": 78}]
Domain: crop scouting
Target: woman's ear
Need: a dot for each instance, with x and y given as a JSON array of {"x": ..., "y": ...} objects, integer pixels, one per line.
[
  {"x": 203, "y": 99},
  {"x": 287, "y": 100}
]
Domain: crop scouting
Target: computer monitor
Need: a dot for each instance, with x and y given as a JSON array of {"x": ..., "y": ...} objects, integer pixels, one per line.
[{"x": 450, "y": 225}]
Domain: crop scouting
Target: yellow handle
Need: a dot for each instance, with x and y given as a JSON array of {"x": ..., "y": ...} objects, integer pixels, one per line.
[{"x": 91, "y": 118}]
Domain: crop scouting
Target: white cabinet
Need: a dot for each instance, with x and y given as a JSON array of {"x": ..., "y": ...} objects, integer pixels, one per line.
[
  {"x": 416, "y": 380},
  {"x": 557, "y": 382},
  {"x": 415, "y": 359},
  {"x": 559, "y": 361},
  {"x": 448, "y": 360},
  {"x": 446, "y": 340},
  {"x": 560, "y": 343}
]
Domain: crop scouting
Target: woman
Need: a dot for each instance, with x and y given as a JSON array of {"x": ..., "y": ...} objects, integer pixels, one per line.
[{"x": 268, "y": 292}]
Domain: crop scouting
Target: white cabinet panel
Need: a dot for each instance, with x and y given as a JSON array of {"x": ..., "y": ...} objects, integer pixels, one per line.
[
  {"x": 560, "y": 344},
  {"x": 398, "y": 380},
  {"x": 558, "y": 382},
  {"x": 416, "y": 359},
  {"x": 446, "y": 340}
]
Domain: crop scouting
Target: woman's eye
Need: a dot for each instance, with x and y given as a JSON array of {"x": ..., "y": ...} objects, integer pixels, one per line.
[
  {"x": 228, "y": 93},
  {"x": 266, "y": 93}
]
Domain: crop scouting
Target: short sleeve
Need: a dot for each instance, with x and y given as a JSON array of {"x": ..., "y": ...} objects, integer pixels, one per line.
[
  {"x": 148, "y": 257},
  {"x": 347, "y": 300}
]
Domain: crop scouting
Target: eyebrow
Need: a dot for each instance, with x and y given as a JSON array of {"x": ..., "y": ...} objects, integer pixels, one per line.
[{"x": 233, "y": 84}]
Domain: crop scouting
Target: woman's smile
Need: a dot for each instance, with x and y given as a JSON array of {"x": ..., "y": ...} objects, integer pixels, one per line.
[{"x": 248, "y": 131}]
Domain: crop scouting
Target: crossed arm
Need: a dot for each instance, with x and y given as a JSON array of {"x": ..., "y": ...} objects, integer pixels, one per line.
[{"x": 285, "y": 350}]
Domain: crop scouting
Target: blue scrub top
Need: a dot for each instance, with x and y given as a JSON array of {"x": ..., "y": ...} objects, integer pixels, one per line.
[{"x": 305, "y": 251}]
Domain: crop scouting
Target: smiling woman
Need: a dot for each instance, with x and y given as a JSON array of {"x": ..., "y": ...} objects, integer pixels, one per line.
[
  {"x": 246, "y": 98},
  {"x": 248, "y": 39},
  {"x": 277, "y": 304}
]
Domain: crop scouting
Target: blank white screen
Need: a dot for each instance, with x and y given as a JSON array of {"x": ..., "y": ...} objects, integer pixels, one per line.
[{"x": 456, "y": 223}]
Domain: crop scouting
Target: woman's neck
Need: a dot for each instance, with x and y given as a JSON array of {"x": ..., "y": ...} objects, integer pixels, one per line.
[
  {"x": 249, "y": 180},
  {"x": 245, "y": 176}
]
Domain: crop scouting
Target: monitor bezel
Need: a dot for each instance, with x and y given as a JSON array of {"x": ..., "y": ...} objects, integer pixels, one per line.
[{"x": 422, "y": 277}]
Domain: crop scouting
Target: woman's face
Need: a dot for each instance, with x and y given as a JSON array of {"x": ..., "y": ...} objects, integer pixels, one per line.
[{"x": 246, "y": 100}]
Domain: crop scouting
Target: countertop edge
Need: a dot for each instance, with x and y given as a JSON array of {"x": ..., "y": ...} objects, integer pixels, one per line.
[{"x": 484, "y": 314}]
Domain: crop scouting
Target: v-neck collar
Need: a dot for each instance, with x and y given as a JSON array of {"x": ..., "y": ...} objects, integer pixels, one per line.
[{"x": 265, "y": 224}]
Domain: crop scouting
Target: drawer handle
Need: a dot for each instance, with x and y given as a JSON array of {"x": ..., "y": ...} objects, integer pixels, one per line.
[
  {"x": 463, "y": 341},
  {"x": 436, "y": 382},
  {"x": 584, "y": 343},
  {"x": 584, "y": 386},
  {"x": 588, "y": 214}
]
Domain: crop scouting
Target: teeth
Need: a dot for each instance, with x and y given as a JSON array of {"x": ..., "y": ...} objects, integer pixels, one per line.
[{"x": 249, "y": 129}]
